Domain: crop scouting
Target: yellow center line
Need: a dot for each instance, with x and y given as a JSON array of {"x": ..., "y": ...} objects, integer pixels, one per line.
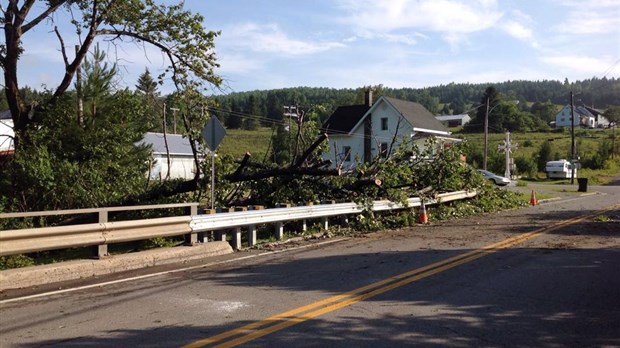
[{"x": 293, "y": 317}]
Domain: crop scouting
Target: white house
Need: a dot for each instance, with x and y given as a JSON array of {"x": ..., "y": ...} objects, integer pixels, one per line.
[
  {"x": 600, "y": 120},
  {"x": 6, "y": 133},
  {"x": 366, "y": 131},
  {"x": 454, "y": 120},
  {"x": 182, "y": 163},
  {"x": 584, "y": 117}
]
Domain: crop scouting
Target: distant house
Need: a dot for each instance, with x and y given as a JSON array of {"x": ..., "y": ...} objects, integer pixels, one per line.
[
  {"x": 182, "y": 165},
  {"x": 7, "y": 145},
  {"x": 585, "y": 117},
  {"x": 366, "y": 131},
  {"x": 454, "y": 120},
  {"x": 600, "y": 120}
]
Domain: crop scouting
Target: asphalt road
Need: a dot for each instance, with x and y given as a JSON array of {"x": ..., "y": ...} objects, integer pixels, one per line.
[{"x": 539, "y": 276}]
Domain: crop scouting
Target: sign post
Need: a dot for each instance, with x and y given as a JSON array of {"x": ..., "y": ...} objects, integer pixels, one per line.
[{"x": 213, "y": 133}]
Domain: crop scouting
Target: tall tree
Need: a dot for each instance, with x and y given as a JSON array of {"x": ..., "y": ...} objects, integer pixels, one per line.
[
  {"x": 179, "y": 34},
  {"x": 146, "y": 85},
  {"x": 489, "y": 100},
  {"x": 99, "y": 82},
  {"x": 147, "y": 88},
  {"x": 250, "y": 122}
]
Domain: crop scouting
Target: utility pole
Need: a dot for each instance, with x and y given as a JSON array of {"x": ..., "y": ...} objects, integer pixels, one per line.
[
  {"x": 291, "y": 111},
  {"x": 486, "y": 136},
  {"x": 572, "y": 135},
  {"x": 174, "y": 115}
]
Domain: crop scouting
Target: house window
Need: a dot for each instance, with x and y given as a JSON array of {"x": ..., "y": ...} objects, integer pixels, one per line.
[
  {"x": 347, "y": 153},
  {"x": 384, "y": 123},
  {"x": 383, "y": 151}
]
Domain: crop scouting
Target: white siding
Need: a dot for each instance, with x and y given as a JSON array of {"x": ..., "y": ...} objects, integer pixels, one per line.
[
  {"x": 181, "y": 167},
  {"x": 562, "y": 119},
  {"x": 402, "y": 130},
  {"x": 337, "y": 144}
]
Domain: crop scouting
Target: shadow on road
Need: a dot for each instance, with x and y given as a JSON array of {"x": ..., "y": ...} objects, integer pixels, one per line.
[{"x": 515, "y": 297}]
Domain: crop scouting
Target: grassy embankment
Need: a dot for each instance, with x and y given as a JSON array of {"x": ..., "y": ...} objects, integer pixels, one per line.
[
  {"x": 587, "y": 142},
  {"x": 237, "y": 142}
]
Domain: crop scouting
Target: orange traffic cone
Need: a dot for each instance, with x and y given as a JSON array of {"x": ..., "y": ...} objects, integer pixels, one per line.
[
  {"x": 533, "y": 200},
  {"x": 422, "y": 217}
]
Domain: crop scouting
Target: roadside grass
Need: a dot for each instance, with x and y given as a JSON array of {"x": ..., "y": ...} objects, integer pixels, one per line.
[
  {"x": 239, "y": 141},
  {"x": 587, "y": 141}
]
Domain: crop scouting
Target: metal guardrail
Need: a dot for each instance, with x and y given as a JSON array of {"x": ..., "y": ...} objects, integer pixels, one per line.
[
  {"x": 102, "y": 212},
  {"x": 101, "y": 234},
  {"x": 58, "y": 237}
]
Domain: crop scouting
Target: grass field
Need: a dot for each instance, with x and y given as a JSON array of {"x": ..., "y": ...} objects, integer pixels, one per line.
[
  {"x": 237, "y": 142},
  {"x": 586, "y": 141}
]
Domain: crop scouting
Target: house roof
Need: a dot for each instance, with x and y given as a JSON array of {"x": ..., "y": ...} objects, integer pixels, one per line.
[
  {"x": 593, "y": 111},
  {"x": 417, "y": 115},
  {"x": 344, "y": 119},
  {"x": 5, "y": 115},
  {"x": 579, "y": 110},
  {"x": 177, "y": 143}
]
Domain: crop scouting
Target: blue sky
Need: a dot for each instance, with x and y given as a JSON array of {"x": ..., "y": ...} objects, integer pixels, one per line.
[{"x": 269, "y": 44}]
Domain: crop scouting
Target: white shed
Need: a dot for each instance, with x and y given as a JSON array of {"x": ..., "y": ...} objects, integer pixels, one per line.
[{"x": 182, "y": 165}]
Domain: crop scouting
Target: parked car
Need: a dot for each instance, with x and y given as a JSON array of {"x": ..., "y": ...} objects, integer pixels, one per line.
[{"x": 498, "y": 180}]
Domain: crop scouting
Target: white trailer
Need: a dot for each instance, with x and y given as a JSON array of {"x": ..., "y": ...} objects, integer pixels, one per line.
[{"x": 559, "y": 169}]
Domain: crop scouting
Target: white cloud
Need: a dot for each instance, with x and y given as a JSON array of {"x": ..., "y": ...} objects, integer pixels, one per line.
[
  {"x": 238, "y": 64},
  {"x": 519, "y": 26},
  {"x": 443, "y": 16},
  {"x": 269, "y": 38},
  {"x": 578, "y": 64},
  {"x": 590, "y": 17},
  {"x": 517, "y": 30}
]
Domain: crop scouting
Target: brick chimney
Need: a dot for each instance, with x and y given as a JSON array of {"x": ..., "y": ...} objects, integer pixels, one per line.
[{"x": 368, "y": 97}]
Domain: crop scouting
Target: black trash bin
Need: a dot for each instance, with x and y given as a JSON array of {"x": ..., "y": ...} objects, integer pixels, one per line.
[{"x": 583, "y": 184}]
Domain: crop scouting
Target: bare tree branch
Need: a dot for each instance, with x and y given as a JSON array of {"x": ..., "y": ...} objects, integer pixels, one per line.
[
  {"x": 53, "y": 7},
  {"x": 310, "y": 150},
  {"x": 62, "y": 47}
]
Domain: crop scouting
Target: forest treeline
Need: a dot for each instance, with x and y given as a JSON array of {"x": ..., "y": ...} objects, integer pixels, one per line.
[{"x": 453, "y": 98}]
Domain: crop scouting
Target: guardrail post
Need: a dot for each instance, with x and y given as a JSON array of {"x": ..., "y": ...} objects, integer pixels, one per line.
[
  {"x": 324, "y": 220},
  {"x": 251, "y": 235},
  {"x": 221, "y": 235},
  {"x": 192, "y": 238},
  {"x": 280, "y": 225},
  {"x": 252, "y": 228},
  {"x": 203, "y": 237},
  {"x": 279, "y": 230},
  {"x": 237, "y": 238},
  {"x": 101, "y": 250}
]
